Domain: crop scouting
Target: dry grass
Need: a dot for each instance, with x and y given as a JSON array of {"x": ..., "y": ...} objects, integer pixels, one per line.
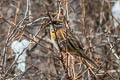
[{"x": 89, "y": 21}]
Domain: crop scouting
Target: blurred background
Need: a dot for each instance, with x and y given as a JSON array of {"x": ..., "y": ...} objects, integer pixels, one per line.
[{"x": 91, "y": 21}]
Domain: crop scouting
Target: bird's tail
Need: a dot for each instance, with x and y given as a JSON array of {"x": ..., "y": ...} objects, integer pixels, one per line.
[{"x": 90, "y": 61}]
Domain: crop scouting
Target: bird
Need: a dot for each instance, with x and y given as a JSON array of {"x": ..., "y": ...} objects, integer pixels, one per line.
[{"x": 63, "y": 39}]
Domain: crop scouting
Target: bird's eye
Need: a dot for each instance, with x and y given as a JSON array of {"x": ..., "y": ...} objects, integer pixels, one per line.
[{"x": 53, "y": 31}]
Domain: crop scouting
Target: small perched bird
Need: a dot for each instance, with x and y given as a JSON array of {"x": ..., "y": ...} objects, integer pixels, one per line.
[{"x": 64, "y": 40}]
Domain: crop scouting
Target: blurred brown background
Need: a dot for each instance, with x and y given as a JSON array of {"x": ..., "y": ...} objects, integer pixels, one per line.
[{"x": 90, "y": 23}]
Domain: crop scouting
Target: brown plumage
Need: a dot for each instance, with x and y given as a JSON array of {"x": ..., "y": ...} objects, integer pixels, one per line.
[{"x": 68, "y": 42}]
